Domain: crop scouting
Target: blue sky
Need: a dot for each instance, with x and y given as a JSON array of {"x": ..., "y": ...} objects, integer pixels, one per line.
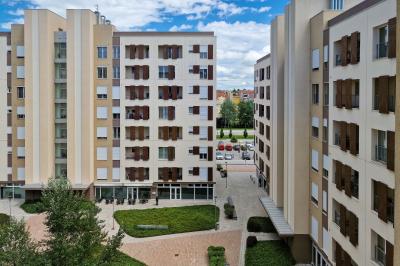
[{"x": 241, "y": 27}]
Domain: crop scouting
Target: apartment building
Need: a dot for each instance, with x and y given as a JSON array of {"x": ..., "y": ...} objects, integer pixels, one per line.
[
  {"x": 362, "y": 85},
  {"x": 120, "y": 114},
  {"x": 396, "y": 252}
]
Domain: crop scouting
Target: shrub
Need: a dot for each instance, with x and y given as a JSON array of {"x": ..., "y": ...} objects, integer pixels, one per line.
[
  {"x": 219, "y": 167},
  {"x": 230, "y": 133},
  {"x": 234, "y": 139},
  {"x": 245, "y": 133},
  {"x": 216, "y": 256},
  {"x": 260, "y": 224},
  {"x": 33, "y": 206},
  {"x": 243, "y": 147},
  {"x": 251, "y": 241},
  {"x": 229, "y": 211},
  {"x": 221, "y": 133}
]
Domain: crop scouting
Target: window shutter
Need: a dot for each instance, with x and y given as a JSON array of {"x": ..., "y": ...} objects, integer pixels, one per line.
[
  {"x": 165, "y": 173},
  {"x": 210, "y": 113},
  {"x": 141, "y": 133},
  {"x": 196, "y": 150},
  {"x": 145, "y": 112},
  {"x": 132, "y": 51},
  {"x": 343, "y": 219},
  {"x": 136, "y": 152},
  {"x": 353, "y": 128},
  {"x": 174, "y": 171},
  {"x": 196, "y": 130},
  {"x": 343, "y": 133},
  {"x": 339, "y": 93},
  {"x": 196, "y": 48},
  {"x": 383, "y": 94},
  {"x": 136, "y": 72},
  {"x": 382, "y": 201},
  {"x": 196, "y": 69},
  {"x": 389, "y": 254},
  {"x": 141, "y": 52},
  {"x": 210, "y": 92},
  {"x": 175, "y": 52},
  {"x": 171, "y": 112},
  {"x": 165, "y": 93},
  {"x": 390, "y": 150},
  {"x": 132, "y": 94},
  {"x": 165, "y": 133},
  {"x": 210, "y": 51},
  {"x": 338, "y": 175},
  {"x": 347, "y": 180},
  {"x": 338, "y": 255},
  {"x": 171, "y": 72},
  {"x": 196, "y": 89},
  {"x": 348, "y": 93},
  {"x": 141, "y": 92},
  {"x": 145, "y": 151},
  {"x": 210, "y": 133},
  {"x": 133, "y": 133},
  {"x": 354, "y": 47},
  {"x": 146, "y": 72},
  {"x": 174, "y": 92},
  {"x": 165, "y": 51},
  {"x": 196, "y": 110},
  {"x": 174, "y": 133},
  {"x": 210, "y": 72},
  {"x": 353, "y": 229},
  {"x": 210, "y": 153},
  {"x": 210, "y": 174},
  {"x": 392, "y": 38},
  {"x": 171, "y": 153},
  {"x": 343, "y": 54}
]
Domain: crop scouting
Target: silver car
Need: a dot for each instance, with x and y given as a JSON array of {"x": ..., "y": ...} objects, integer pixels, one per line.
[
  {"x": 228, "y": 156},
  {"x": 219, "y": 156}
]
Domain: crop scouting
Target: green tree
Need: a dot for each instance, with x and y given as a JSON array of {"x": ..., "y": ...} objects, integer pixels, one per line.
[
  {"x": 75, "y": 232},
  {"x": 228, "y": 112},
  {"x": 245, "y": 113},
  {"x": 245, "y": 133},
  {"x": 16, "y": 246},
  {"x": 221, "y": 133}
]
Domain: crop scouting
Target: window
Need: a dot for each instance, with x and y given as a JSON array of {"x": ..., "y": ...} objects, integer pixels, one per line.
[
  {"x": 102, "y": 173},
  {"x": 382, "y": 41},
  {"x": 163, "y": 72},
  {"x": 20, "y": 132},
  {"x": 20, "y": 72},
  {"x": 163, "y": 153},
  {"x": 115, "y": 174},
  {"x": 60, "y": 70},
  {"x": 203, "y": 173},
  {"x": 337, "y": 4},
  {"x": 20, "y": 152},
  {"x": 101, "y": 153},
  {"x": 116, "y": 52},
  {"x": 326, "y": 165},
  {"x": 204, "y": 51},
  {"x": 203, "y": 112},
  {"x": 314, "y": 193},
  {"x": 315, "y": 126},
  {"x": 101, "y": 133},
  {"x": 116, "y": 72},
  {"x": 101, "y": 92},
  {"x": 314, "y": 160},
  {"x": 324, "y": 201},
  {"x": 203, "y": 133},
  {"x": 314, "y": 228},
  {"x": 101, "y": 72},
  {"x": 190, "y": 49},
  {"x": 116, "y": 111},
  {"x": 190, "y": 109},
  {"x": 326, "y": 53},
  {"x": 315, "y": 59},
  {"x": 203, "y": 153},
  {"x": 115, "y": 153},
  {"x": 190, "y": 90},
  {"x": 60, "y": 50},
  {"x": 21, "y": 173},
  {"x": 20, "y": 112},
  {"x": 115, "y": 93},
  {"x": 315, "y": 93},
  {"x": 116, "y": 132},
  {"x": 163, "y": 112},
  {"x": 326, "y": 94},
  {"x": 203, "y": 72},
  {"x": 20, "y": 92},
  {"x": 326, "y": 244},
  {"x": 379, "y": 247},
  {"x": 102, "y": 52},
  {"x": 20, "y": 51},
  {"x": 203, "y": 92},
  {"x": 101, "y": 112}
]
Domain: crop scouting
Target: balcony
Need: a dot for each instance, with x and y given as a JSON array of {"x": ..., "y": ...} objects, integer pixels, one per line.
[
  {"x": 381, "y": 50},
  {"x": 380, "y": 153}
]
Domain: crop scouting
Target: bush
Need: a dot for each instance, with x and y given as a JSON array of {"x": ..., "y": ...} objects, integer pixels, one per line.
[
  {"x": 230, "y": 133},
  {"x": 272, "y": 253},
  {"x": 219, "y": 167},
  {"x": 4, "y": 219},
  {"x": 229, "y": 211},
  {"x": 245, "y": 133},
  {"x": 260, "y": 224},
  {"x": 251, "y": 241},
  {"x": 216, "y": 256},
  {"x": 221, "y": 133},
  {"x": 234, "y": 139},
  {"x": 33, "y": 206}
]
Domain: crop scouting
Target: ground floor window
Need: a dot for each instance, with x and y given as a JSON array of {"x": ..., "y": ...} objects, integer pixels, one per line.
[
  {"x": 122, "y": 192},
  {"x": 16, "y": 192},
  {"x": 317, "y": 257},
  {"x": 185, "y": 191}
]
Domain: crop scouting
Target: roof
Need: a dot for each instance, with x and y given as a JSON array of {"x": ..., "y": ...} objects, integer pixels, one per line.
[
  {"x": 263, "y": 58},
  {"x": 277, "y": 217},
  {"x": 164, "y": 33}
]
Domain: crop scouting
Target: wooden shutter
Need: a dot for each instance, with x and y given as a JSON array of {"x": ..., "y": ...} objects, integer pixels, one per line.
[
  {"x": 383, "y": 94},
  {"x": 382, "y": 201},
  {"x": 145, "y": 153},
  {"x": 141, "y": 92},
  {"x": 165, "y": 92},
  {"x": 174, "y": 92},
  {"x": 353, "y": 229},
  {"x": 196, "y": 170},
  {"x": 196, "y": 130},
  {"x": 390, "y": 150},
  {"x": 165, "y": 133},
  {"x": 136, "y": 152},
  {"x": 146, "y": 72},
  {"x": 132, "y": 133},
  {"x": 165, "y": 51},
  {"x": 343, "y": 133},
  {"x": 338, "y": 255},
  {"x": 210, "y": 113},
  {"x": 196, "y": 69},
  {"x": 171, "y": 153},
  {"x": 132, "y": 51},
  {"x": 339, "y": 84},
  {"x": 210, "y": 153},
  {"x": 146, "y": 114},
  {"x": 196, "y": 110},
  {"x": 210, "y": 51},
  {"x": 141, "y": 173},
  {"x": 348, "y": 93},
  {"x": 210, "y": 72},
  {"x": 136, "y": 109},
  {"x": 196, "y": 150},
  {"x": 174, "y": 133},
  {"x": 196, "y": 48},
  {"x": 392, "y": 38},
  {"x": 210, "y": 174},
  {"x": 136, "y": 72},
  {"x": 338, "y": 175},
  {"x": 175, "y": 52},
  {"x": 132, "y": 92},
  {"x": 343, "y": 54},
  {"x": 141, "y": 133},
  {"x": 347, "y": 179},
  {"x": 174, "y": 171},
  {"x": 171, "y": 112},
  {"x": 354, "y": 47},
  {"x": 196, "y": 89},
  {"x": 389, "y": 254},
  {"x": 210, "y": 92},
  {"x": 210, "y": 133},
  {"x": 165, "y": 173},
  {"x": 141, "y": 52},
  {"x": 353, "y": 138},
  {"x": 343, "y": 219},
  {"x": 171, "y": 72}
]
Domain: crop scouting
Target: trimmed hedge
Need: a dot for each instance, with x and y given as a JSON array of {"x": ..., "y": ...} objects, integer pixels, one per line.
[
  {"x": 229, "y": 210},
  {"x": 251, "y": 241},
  {"x": 216, "y": 256},
  {"x": 272, "y": 253},
  {"x": 33, "y": 206},
  {"x": 260, "y": 224}
]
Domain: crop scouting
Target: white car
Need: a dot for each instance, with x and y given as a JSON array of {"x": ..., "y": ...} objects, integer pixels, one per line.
[
  {"x": 228, "y": 156},
  {"x": 250, "y": 147},
  {"x": 219, "y": 156}
]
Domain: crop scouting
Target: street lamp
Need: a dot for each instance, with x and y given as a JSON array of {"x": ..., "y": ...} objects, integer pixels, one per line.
[
  {"x": 9, "y": 202},
  {"x": 113, "y": 213},
  {"x": 226, "y": 174},
  {"x": 215, "y": 214}
]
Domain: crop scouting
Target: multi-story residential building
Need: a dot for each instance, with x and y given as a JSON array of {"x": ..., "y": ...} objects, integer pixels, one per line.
[
  {"x": 120, "y": 114},
  {"x": 396, "y": 253},
  {"x": 362, "y": 81}
]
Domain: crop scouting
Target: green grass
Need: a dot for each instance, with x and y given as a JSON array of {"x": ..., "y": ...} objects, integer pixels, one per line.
[
  {"x": 35, "y": 206},
  {"x": 4, "y": 218},
  {"x": 260, "y": 224},
  {"x": 123, "y": 259},
  {"x": 236, "y": 136},
  {"x": 179, "y": 220},
  {"x": 269, "y": 253}
]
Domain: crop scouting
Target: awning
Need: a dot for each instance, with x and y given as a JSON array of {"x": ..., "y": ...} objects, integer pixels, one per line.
[{"x": 277, "y": 217}]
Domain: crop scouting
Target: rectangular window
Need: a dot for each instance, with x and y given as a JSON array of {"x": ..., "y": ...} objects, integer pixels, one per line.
[
  {"x": 20, "y": 51},
  {"x": 101, "y": 92},
  {"x": 116, "y": 72},
  {"x": 203, "y": 51},
  {"x": 102, "y": 173},
  {"x": 20, "y": 72},
  {"x": 203, "y": 112},
  {"x": 315, "y": 59},
  {"x": 203, "y": 133},
  {"x": 326, "y": 53},
  {"x": 20, "y": 132},
  {"x": 382, "y": 38},
  {"x": 115, "y": 174},
  {"x": 190, "y": 90},
  {"x": 102, "y": 52},
  {"x": 203, "y": 72},
  {"x": 115, "y": 154},
  {"x": 314, "y": 193},
  {"x": 326, "y": 94},
  {"x": 314, "y": 160},
  {"x": 101, "y": 153},
  {"x": 116, "y": 52},
  {"x": 163, "y": 153},
  {"x": 163, "y": 112},
  {"x": 190, "y": 109},
  {"x": 115, "y": 93},
  {"x": 203, "y": 151},
  {"x": 314, "y": 228},
  {"x": 20, "y": 92},
  {"x": 20, "y": 112},
  {"x": 116, "y": 132},
  {"x": 102, "y": 112},
  {"x": 315, "y": 93},
  {"x": 21, "y": 173},
  {"x": 101, "y": 133},
  {"x": 163, "y": 72},
  {"x": 60, "y": 70},
  {"x": 315, "y": 126},
  {"x": 326, "y": 165},
  {"x": 203, "y": 93},
  {"x": 101, "y": 72},
  {"x": 20, "y": 152},
  {"x": 324, "y": 201}
]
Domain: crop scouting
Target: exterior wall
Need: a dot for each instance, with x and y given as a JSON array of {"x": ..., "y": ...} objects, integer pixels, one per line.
[
  {"x": 396, "y": 259},
  {"x": 367, "y": 119},
  {"x": 4, "y": 69}
]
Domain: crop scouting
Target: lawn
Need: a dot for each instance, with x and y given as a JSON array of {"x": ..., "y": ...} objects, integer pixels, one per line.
[
  {"x": 236, "y": 136},
  {"x": 260, "y": 224},
  {"x": 240, "y": 128},
  {"x": 178, "y": 219},
  {"x": 4, "y": 218},
  {"x": 269, "y": 253}
]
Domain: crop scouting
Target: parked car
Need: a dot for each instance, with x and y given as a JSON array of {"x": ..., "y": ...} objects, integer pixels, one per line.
[
  {"x": 236, "y": 147},
  {"x": 250, "y": 146},
  {"x": 221, "y": 146},
  {"x": 228, "y": 156},
  {"x": 228, "y": 147},
  {"x": 246, "y": 156},
  {"x": 219, "y": 156}
]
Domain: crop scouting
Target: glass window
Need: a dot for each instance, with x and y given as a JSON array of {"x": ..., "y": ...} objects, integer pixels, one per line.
[
  {"x": 163, "y": 72},
  {"x": 204, "y": 51},
  {"x": 203, "y": 153},
  {"x": 60, "y": 50},
  {"x": 116, "y": 52},
  {"x": 163, "y": 153},
  {"x": 116, "y": 72},
  {"x": 163, "y": 112},
  {"x": 102, "y": 52},
  {"x": 101, "y": 92},
  {"x": 315, "y": 93},
  {"x": 102, "y": 72},
  {"x": 203, "y": 72},
  {"x": 61, "y": 70}
]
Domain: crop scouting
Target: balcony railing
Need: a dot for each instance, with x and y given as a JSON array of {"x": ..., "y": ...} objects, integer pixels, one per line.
[
  {"x": 381, "y": 50},
  {"x": 380, "y": 256},
  {"x": 380, "y": 153}
]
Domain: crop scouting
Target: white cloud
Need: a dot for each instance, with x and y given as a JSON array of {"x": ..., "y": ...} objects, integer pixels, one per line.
[
  {"x": 18, "y": 12},
  {"x": 182, "y": 27},
  {"x": 264, "y": 9},
  {"x": 239, "y": 45},
  {"x": 7, "y": 25}
]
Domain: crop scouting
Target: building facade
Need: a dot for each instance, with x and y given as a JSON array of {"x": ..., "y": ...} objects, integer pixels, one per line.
[{"x": 120, "y": 114}]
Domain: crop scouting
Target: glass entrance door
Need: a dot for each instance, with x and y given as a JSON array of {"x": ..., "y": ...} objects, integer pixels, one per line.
[
  {"x": 132, "y": 192},
  {"x": 175, "y": 193}
]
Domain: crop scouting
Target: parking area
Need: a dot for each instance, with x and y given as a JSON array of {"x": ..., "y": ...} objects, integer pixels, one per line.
[{"x": 241, "y": 152}]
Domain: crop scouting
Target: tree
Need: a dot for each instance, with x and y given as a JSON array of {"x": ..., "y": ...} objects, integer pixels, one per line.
[
  {"x": 230, "y": 133},
  {"x": 75, "y": 232},
  {"x": 245, "y": 113},
  {"x": 221, "y": 133},
  {"x": 228, "y": 112},
  {"x": 16, "y": 246},
  {"x": 245, "y": 133}
]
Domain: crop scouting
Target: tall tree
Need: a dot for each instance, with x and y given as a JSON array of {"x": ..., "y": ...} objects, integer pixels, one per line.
[
  {"x": 245, "y": 113},
  {"x": 228, "y": 112}
]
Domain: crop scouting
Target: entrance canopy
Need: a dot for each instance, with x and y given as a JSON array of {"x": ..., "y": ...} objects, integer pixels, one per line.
[{"x": 277, "y": 217}]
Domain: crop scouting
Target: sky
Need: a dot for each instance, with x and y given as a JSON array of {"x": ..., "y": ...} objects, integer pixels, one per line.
[{"x": 242, "y": 27}]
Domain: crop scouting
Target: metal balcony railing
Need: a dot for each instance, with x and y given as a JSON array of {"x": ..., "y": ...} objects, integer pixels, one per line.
[{"x": 380, "y": 256}]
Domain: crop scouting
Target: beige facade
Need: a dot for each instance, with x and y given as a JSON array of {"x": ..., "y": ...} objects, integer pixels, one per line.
[{"x": 80, "y": 89}]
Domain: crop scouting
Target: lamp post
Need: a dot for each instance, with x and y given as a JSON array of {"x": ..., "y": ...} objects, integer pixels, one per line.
[
  {"x": 215, "y": 214},
  {"x": 226, "y": 174},
  {"x": 113, "y": 214},
  {"x": 9, "y": 202}
]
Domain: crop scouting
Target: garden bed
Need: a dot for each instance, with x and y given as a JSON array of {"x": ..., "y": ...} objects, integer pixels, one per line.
[
  {"x": 271, "y": 253},
  {"x": 260, "y": 224}
]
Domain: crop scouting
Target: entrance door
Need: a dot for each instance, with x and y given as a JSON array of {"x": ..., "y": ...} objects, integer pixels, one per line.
[{"x": 175, "y": 193}]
